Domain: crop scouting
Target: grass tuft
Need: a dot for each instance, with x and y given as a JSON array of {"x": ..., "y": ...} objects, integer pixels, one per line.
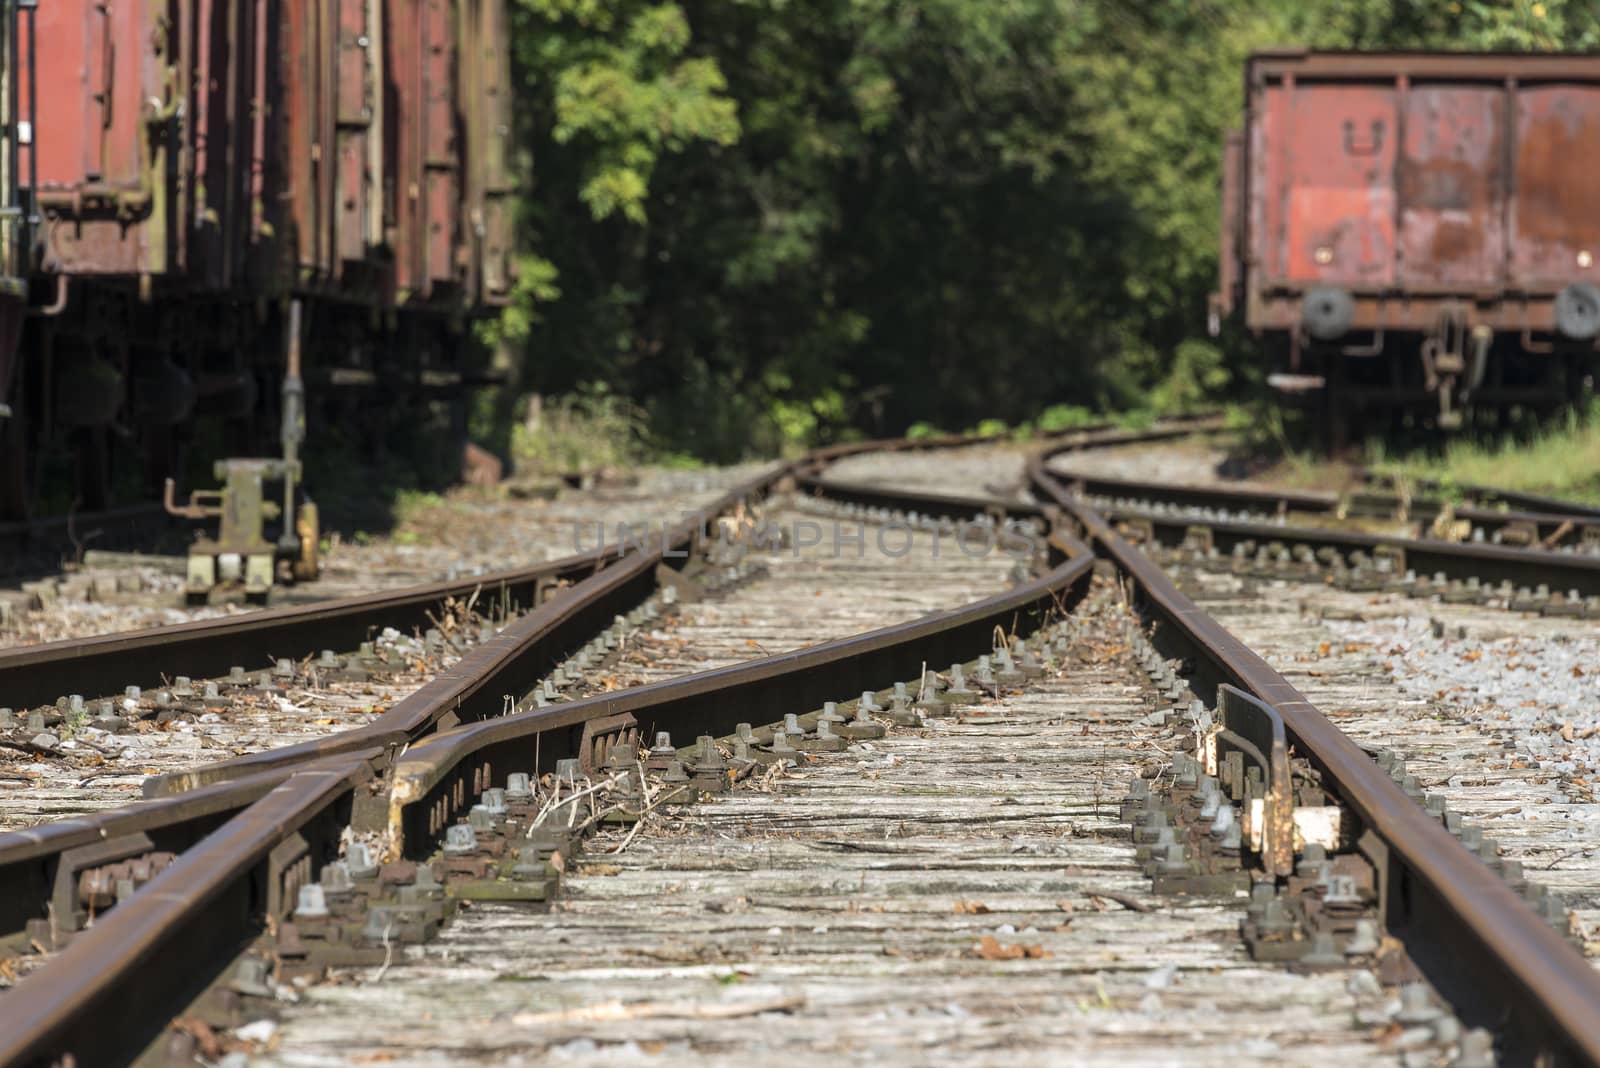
[
  {"x": 579, "y": 433},
  {"x": 1561, "y": 459}
]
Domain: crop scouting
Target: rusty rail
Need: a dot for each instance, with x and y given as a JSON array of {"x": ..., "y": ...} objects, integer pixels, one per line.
[
  {"x": 1554, "y": 522},
  {"x": 526, "y": 649},
  {"x": 1499, "y": 964},
  {"x": 31, "y": 675},
  {"x": 1490, "y": 564},
  {"x": 247, "y": 842},
  {"x": 111, "y": 992},
  {"x": 429, "y": 783},
  {"x": 222, "y": 889},
  {"x": 508, "y": 663}
]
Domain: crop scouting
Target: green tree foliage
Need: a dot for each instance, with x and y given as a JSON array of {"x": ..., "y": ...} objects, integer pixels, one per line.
[{"x": 776, "y": 221}]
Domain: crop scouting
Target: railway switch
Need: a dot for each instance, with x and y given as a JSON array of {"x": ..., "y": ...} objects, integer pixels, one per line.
[{"x": 241, "y": 554}]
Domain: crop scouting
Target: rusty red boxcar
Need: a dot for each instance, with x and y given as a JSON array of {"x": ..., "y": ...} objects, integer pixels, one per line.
[
  {"x": 199, "y": 198},
  {"x": 1417, "y": 232}
]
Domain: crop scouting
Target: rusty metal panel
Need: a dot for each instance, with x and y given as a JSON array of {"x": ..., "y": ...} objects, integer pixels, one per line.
[
  {"x": 1339, "y": 148},
  {"x": 89, "y": 98},
  {"x": 474, "y": 113},
  {"x": 1267, "y": 115},
  {"x": 484, "y": 270},
  {"x": 1452, "y": 182},
  {"x": 1555, "y": 216},
  {"x": 443, "y": 201},
  {"x": 268, "y": 214},
  {"x": 441, "y": 146},
  {"x": 310, "y": 97},
  {"x": 300, "y": 106},
  {"x": 221, "y": 96},
  {"x": 68, "y": 35},
  {"x": 102, "y": 80},
  {"x": 353, "y": 63},
  {"x": 1228, "y": 274},
  {"x": 354, "y": 116},
  {"x": 492, "y": 104},
  {"x": 1492, "y": 201},
  {"x": 326, "y": 60},
  {"x": 403, "y": 36},
  {"x": 206, "y": 43}
]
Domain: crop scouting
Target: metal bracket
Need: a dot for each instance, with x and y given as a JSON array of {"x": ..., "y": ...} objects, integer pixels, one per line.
[
  {"x": 602, "y": 735},
  {"x": 1255, "y": 730},
  {"x": 288, "y": 869},
  {"x": 64, "y": 895},
  {"x": 1376, "y": 850}
]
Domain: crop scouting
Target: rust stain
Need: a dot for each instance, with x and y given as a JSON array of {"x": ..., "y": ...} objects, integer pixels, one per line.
[
  {"x": 1451, "y": 185},
  {"x": 1557, "y": 205},
  {"x": 1338, "y": 149}
]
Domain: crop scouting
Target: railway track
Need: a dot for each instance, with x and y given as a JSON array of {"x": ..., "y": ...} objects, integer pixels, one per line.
[
  {"x": 1475, "y": 514},
  {"x": 1548, "y": 563},
  {"x": 343, "y": 849}
]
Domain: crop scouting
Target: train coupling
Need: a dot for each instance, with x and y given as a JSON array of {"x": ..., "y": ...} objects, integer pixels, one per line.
[{"x": 241, "y": 555}]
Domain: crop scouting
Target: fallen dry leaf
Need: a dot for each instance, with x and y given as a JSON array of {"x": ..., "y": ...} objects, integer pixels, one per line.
[
  {"x": 991, "y": 948},
  {"x": 970, "y": 908}
]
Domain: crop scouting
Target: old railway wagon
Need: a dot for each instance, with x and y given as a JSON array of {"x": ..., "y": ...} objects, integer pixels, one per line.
[
  {"x": 201, "y": 197},
  {"x": 1417, "y": 233}
]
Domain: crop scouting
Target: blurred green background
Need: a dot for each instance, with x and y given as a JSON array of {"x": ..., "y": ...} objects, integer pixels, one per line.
[{"x": 751, "y": 225}]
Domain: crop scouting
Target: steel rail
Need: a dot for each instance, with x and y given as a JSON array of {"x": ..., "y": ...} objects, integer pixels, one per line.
[
  {"x": 509, "y": 663},
  {"x": 34, "y": 674},
  {"x": 1545, "y": 524},
  {"x": 30, "y": 858},
  {"x": 112, "y": 991},
  {"x": 97, "y": 1003},
  {"x": 105, "y": 664},
  {"x": 191, "y": 803},
  {"x": 1487, "y": 506},
  {"x": 1499, "y": 964},
  {"x": 1456, "y": 560},
  {"x": 1490, "y": 564},
  {"x": 1492, "y": 496},
  {"x": 224, "y": 885},
  {"x": 526, "y": 649},
  {"x": 428, "y": 784}
]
